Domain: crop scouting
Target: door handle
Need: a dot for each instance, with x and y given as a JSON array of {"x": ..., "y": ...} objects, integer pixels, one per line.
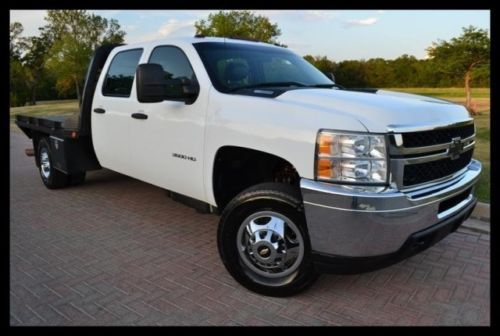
[
  {"x": 141, "y": 116},
  {"x": 99, "y": 110}
]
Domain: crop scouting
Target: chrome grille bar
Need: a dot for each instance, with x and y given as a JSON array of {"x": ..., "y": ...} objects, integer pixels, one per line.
[
  {"x": 401, "y": 157},
  {"x": 394, "y": 150}
]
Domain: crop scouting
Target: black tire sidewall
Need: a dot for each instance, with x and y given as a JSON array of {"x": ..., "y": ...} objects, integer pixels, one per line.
[
  {"x": 56, "y": 178},
  {"x": 227, "y": 233},
  {"x": 43, "y": 144}
]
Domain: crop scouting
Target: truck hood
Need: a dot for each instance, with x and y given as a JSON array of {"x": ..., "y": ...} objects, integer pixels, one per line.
[{"x": 380, "y": 111}]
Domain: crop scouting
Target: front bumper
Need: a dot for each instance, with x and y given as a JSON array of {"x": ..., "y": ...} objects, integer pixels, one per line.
[{"x": 344, "y": 222}]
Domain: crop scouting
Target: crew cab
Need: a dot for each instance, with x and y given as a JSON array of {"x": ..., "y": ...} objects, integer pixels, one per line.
[{"x": 307, "y": 176}]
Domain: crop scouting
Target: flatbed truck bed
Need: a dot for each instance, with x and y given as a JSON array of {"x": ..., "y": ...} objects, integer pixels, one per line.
[{"x": 69, "y": 136}]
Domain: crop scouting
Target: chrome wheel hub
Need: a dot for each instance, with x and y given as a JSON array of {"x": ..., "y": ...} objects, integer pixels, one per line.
[
  {"x": 44, "y": 163},
  {"x": 270, "y": 244}
]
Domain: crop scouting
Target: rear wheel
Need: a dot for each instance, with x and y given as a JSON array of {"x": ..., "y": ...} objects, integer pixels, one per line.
[
  {"x": 51, "y": 177},
  {"x": 263, "y": 240}
]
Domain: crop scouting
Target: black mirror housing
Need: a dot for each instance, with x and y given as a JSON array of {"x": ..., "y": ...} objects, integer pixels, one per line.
[
  {"x": 190, "y": 90},
  {"x": 151, "y": 83},
  {"x": 154, "y": 87}
]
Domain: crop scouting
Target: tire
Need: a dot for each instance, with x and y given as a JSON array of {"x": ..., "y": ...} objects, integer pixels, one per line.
[
  {"x": 263, "y": 240},
  {"x": 51, "y": 177}
]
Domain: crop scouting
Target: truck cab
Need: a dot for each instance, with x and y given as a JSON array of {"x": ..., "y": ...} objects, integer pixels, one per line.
[{"x": 307, "y": 176}]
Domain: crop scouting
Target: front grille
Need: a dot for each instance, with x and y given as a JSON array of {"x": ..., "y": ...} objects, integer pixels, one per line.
[
  {"x": 451, "y": 202},
  {"x": 433, "y": 170},
  {"x": 434, "y": 137}
]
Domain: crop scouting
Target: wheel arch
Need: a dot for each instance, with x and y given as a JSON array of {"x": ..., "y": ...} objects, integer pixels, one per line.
[{"x": 236, "y": 168}]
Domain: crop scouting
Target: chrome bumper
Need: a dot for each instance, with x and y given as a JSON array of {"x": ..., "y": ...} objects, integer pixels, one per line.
[{"x": 343, "y": 221}]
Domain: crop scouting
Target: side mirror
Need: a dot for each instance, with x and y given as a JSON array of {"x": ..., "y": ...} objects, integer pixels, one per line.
[
  {"x": 330, "y": 75},
  {"x": 154, "y": 87},
  {"x": 190, "y": 90},
  {"x": 151, "y": 83}
]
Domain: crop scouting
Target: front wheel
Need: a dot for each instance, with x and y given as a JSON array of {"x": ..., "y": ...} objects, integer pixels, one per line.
[{"x": 263, "y": 240}]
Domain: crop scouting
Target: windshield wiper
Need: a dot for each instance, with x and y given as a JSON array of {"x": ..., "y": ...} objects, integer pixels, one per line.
[
  {"x": 326, "y": 86},
  {"x": 268, "y": 84}
]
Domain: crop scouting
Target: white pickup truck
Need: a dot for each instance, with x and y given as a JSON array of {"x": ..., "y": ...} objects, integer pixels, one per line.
[{"x": 308, "y": 176}]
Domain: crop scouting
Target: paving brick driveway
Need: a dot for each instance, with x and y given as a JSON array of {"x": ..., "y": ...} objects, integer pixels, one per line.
[{"x": 117, "y": 251}]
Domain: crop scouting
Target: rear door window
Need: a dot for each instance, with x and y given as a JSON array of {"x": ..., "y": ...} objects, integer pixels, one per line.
[{"x": 121, "y": 73}]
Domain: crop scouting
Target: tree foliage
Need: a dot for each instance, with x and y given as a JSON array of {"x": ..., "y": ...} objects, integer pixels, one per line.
[
  {"x": 404, "y": 71},
  {"x": 68, "y": 62},
  {"x": 53, "y": 64},
  {"x": 34, "y": 60},
  {"x": 242, "y": 24},
  {"x": 18, "y": 89},
  {"x": 76, "y": 34},
  {"x": 461, "y": 55},
  {"x": 16, "y": 43}
]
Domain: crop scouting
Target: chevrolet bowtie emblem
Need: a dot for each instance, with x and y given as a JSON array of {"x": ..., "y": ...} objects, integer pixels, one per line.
[{"x": 455, "y": 148}]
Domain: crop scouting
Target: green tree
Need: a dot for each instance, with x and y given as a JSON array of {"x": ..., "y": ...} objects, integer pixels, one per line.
[
  {"x": 379, "y": 72},
  {"x": 16, "y": 41},
  {"x": 27, "y": 64},
  {"x": 322, "y": 63},
  {"x": 34, "y": 61},
  {"x": 352, "y": 74},
  {"x": 242, "y": 24},
  {"x": 481, "y": 76},
  {"x": 461, "y": 55},
  {"x": 402, "y": 70},
  {"x": 17, "y": 71},
  {"x": 76, "y": 34}
]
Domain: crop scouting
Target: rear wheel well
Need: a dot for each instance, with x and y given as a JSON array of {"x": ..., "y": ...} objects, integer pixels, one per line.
[{"x": 237, "y": 168}]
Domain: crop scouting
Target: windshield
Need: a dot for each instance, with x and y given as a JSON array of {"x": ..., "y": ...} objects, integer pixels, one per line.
[{"x": 234, "y": 66}]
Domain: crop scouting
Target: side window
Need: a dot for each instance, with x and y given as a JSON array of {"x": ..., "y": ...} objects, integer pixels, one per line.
[
  {"x": 174, "y": 62},
  {"x": 121, "y": 72}
]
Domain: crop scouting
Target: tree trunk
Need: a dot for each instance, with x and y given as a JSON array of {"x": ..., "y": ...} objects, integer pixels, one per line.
[
  {"x": 77, "y": 90},
  {"x": 33, "y": 95},
  {"x": 34, "y": 84},
  {"x": 468, "y": 102}
]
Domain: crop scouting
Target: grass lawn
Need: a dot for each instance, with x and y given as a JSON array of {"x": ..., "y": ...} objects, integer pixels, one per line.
[
  {"x": 446, "y": 93},
  {"x": 43, "y": 108},
  {"x": 46, "y": 108},
  {"x": 480, "y": 96}
]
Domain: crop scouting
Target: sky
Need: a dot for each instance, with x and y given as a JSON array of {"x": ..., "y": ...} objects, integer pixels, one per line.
[{"x": 337, "y": 34}]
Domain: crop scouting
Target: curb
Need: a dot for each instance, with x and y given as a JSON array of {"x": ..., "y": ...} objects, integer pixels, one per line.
[
  {"x": 479, "y": 220},
  {"x": 475, "y": 225},
  {"x": 481, "y": 212}
]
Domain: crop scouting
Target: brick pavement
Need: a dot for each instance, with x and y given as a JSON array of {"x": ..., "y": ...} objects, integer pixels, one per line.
[{"x": 116, "y": 251}]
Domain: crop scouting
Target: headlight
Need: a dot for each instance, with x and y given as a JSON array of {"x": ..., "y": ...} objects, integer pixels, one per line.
[{"x": 351, "y": 157}]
